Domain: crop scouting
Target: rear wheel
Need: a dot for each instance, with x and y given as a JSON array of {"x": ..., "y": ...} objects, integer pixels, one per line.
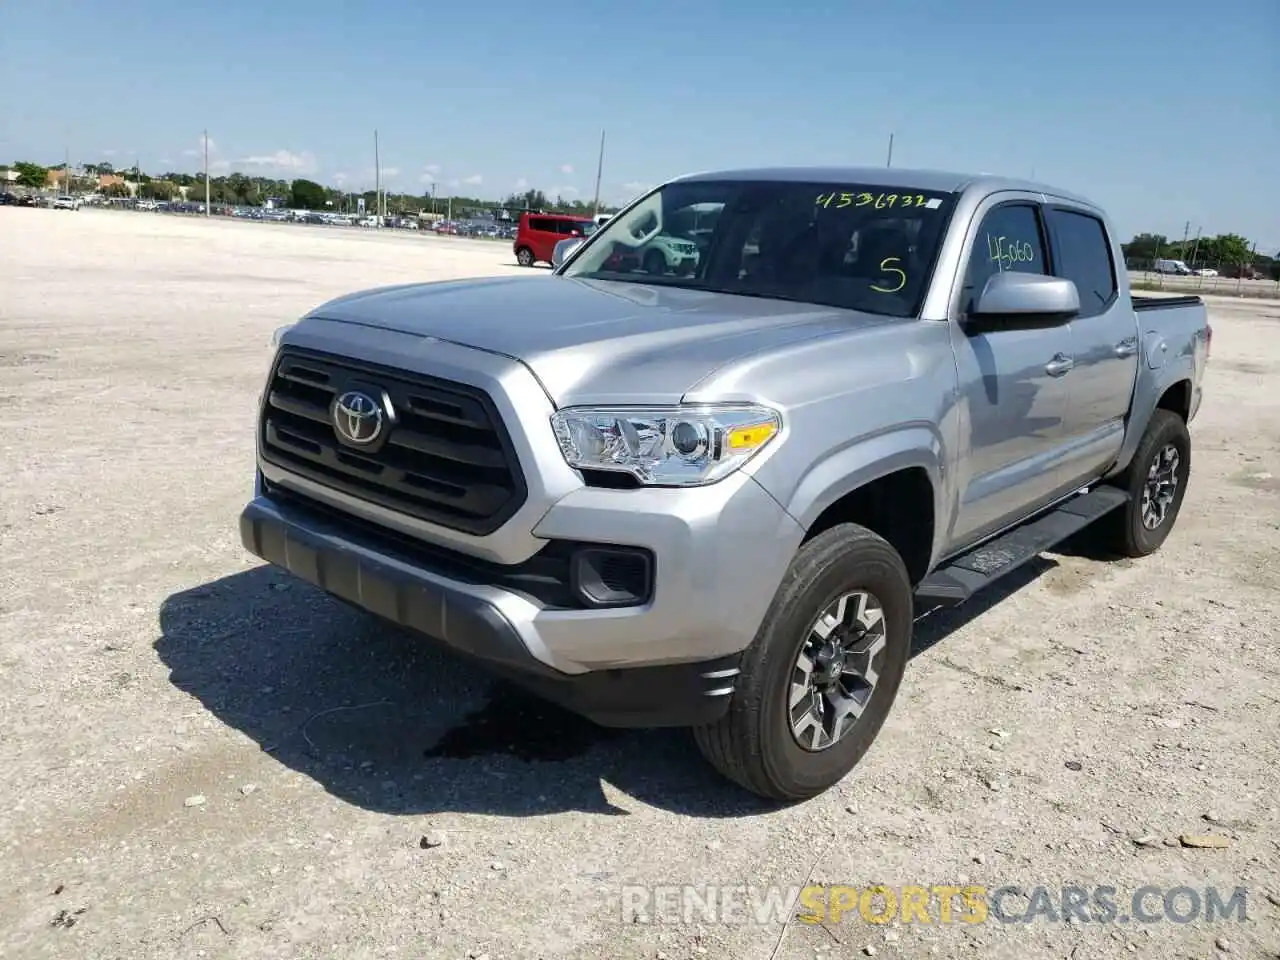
[
  {"x": 819, "y": 678},
  {"x": 1156, "y": 481},
  {"x": 524, "y": 257}
]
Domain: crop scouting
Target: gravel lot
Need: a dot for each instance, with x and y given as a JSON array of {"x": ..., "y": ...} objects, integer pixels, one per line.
[{"x": 200, "y": 758}]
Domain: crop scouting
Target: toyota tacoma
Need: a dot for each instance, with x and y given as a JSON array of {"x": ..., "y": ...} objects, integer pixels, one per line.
[{"x": 719, "y": 497}]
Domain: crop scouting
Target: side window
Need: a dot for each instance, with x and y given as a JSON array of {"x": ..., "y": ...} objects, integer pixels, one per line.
[
  {"x": 566, "y": 227},
  {"x": 1083, "y": 256},
  {"x": 1008, "y": 239},
  {"x": 541, "y": 225}
]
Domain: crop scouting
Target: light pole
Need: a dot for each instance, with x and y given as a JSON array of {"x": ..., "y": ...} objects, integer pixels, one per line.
[
  {"x": 599, "y": 171},
  {"x": 206, "y": 171}
]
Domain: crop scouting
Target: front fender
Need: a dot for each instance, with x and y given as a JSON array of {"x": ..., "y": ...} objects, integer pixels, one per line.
[{"x": 868, "y": 458}]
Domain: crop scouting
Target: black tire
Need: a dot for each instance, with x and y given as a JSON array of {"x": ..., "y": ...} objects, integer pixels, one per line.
[
  {"x": 655, "y": 264},
  {"x": 524, "y": 257},
  {"x": 753, "y": 744},
  {"x": 1124, "y": 529}
]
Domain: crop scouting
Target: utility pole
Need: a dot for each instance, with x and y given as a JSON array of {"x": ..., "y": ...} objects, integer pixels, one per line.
[
  {"x": 1186, "y": 232},
  {"x": 1195, "y": 249},
  {"x": 206, "y": 171},
  {"x": 599, "y": 171},
  {"x": 889, "y": 161},
  {"x": 377, "y": 180},
  {"x": 66, "y": 170}
]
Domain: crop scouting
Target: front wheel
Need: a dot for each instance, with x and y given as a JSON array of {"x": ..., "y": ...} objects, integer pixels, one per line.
[
  {"x": 819, "y": 678},
  {"x": 1156, "y": 481}
]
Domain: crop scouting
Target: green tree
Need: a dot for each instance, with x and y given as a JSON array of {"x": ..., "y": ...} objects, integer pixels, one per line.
[
  {"x": 307, "y": 195},
  {"x": 1226, "y": 248},
  {"x": 158, "y": 190},
  {"x": 31, "y": 174},
  {"x": 114, "y": 190}
]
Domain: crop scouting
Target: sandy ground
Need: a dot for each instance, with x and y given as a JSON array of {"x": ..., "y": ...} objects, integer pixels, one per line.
[{"x": 177, "y": 782}]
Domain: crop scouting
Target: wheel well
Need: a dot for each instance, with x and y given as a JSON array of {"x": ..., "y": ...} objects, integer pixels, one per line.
[
  {"x": 898, "y": 507},
  {"x": 1177, "y": 399}
]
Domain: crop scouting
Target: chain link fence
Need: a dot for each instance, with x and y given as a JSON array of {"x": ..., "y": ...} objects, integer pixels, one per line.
[{"x": 1260, "y": 279}]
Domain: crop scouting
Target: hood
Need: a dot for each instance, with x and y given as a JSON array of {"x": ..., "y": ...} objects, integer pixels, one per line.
[{"x": 595, "y": 341}]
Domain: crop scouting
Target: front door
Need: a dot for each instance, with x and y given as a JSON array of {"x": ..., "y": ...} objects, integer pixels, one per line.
[
  {"x": 1105, "y": 342},
  {"x": 1013, "y": 385}
]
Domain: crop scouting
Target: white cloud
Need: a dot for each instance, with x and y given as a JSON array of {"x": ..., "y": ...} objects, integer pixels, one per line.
[
  {"x": 635, "y": 186},
  {"x": 216, "y": 166},
  {"x": 522, "y": 184},
  {"x": 165, "y": 161},
  {"x": 390, "y": 172},
  {"x": 474, "y": 180},
  {"x": 339, "y": 178},
  {"x": 283, "y": 160},
  {"x": 198, "y": 149},
  {"x": 427, "y": 178},
  {"x": 566, "y": 168},
  {"x": 432, "y": 168},
  {"x": 109, "y": 153}
]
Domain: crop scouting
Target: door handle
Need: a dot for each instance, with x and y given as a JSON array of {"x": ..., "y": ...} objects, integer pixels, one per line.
[
  {"x": 1127, "y": 347},
  {"x": 1059, "y": 366}
]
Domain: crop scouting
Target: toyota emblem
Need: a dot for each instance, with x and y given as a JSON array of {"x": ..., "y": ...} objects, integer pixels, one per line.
[{"x": 357, "y": 417}]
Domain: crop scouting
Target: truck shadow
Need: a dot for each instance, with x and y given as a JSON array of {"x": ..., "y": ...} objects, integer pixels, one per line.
[{"x": 396, "y": 724}]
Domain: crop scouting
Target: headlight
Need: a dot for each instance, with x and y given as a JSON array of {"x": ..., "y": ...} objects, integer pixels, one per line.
[
  {"x": 278, "y": 334},
  {"x": 673, "y": 446}
]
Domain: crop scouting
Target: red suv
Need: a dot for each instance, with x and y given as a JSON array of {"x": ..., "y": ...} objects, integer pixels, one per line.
[{"x": 540, "y": 232}]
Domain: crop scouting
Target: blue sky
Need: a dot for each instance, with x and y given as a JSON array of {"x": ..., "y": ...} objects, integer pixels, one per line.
[{"x": 1165, "y": 113}]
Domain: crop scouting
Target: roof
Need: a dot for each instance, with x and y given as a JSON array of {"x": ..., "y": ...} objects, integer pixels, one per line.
[{"x": 925, "y": 180}]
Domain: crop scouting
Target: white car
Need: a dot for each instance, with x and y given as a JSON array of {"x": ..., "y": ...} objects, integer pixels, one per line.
[
  {"x": 667, "y": 254},
  {"x": 66, "y": 203}
]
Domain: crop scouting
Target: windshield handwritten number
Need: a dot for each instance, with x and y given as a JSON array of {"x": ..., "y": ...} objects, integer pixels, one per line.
[
  {"x": 1007, "y": 253},
  {"x": 885, "y": 268},
  {"x": 880, "y": 201}
]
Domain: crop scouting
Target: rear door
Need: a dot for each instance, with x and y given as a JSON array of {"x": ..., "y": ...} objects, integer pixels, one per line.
[
  {"x": 1104, "y": 340},
  {"x": 1012, "y": 378}
]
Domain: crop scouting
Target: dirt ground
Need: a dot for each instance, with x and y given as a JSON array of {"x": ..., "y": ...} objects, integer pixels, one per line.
[{"x": 202, "y": 758}]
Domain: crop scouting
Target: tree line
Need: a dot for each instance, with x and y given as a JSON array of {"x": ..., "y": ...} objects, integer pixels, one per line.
[
  {"x": 1223, "y": 248},
  {"x": 239, "y": 189}
]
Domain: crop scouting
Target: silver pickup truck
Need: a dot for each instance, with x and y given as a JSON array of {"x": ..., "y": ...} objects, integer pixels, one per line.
[{"x": 718, "y": 496}]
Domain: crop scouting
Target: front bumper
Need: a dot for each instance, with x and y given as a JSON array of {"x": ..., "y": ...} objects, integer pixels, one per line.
[{"x": 669, "y": 662}]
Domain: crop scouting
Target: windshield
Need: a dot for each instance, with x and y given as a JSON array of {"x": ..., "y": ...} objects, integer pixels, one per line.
[{"x": 837, "y": 244}]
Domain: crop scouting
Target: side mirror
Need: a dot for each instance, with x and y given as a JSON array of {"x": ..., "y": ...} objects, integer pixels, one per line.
[
  {"x": 562, "y": 250},
  {"x": 1011, "y": 299}
]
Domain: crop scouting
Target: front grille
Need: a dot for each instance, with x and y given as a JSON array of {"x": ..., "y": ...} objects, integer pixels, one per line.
[{"x": 446, "y": 456}]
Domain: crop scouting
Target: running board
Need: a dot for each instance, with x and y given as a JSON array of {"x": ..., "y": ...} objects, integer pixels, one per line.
[{"x": 968, "y": 573}]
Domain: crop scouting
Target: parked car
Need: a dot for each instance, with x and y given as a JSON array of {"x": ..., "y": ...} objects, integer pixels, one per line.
[
  {"x": 1172, "y": 266},
  {"x": 539, "y": 233},
  {"x": 718, "y": 500},
  {"x": 65, "y": 203}
]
